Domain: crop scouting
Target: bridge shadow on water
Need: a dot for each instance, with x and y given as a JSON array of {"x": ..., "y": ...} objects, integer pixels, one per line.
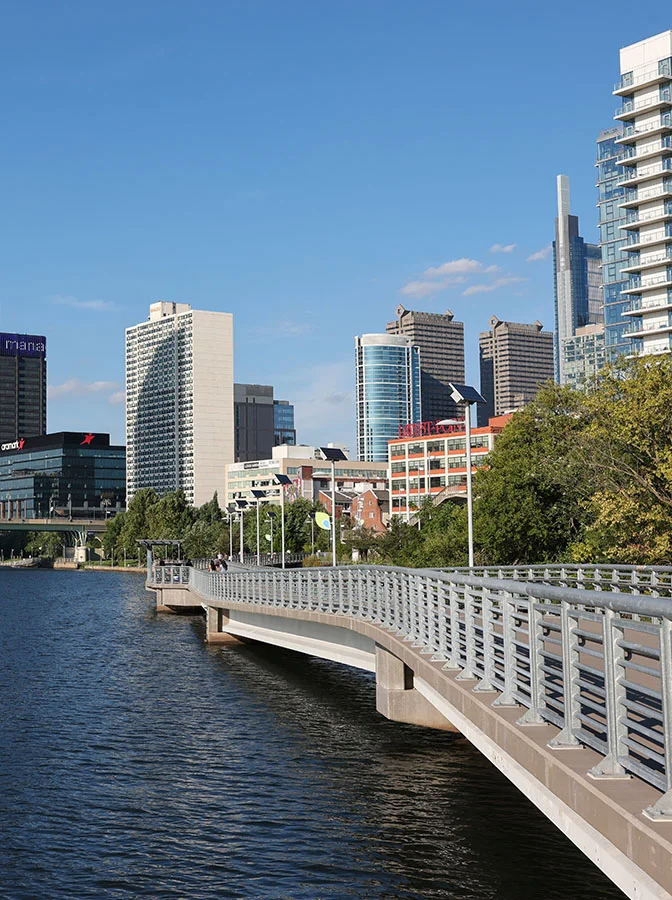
[{"x": 424, "y": 810}]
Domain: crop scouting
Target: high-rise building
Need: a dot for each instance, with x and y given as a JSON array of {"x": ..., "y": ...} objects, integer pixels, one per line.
[
  {"x": 179, "y": 401},
  {"x": 576, "y": 267},
  {"x": 583, "y": 355},
  {"x": 516, "y": 360},
  {"x": 285, "y": 432},
  {"x": 388, "y": 391},
  {"x": 254, "y": 418},
  {"x": 646, "y": 113},
  {"x": 441, "y": 343},
  {"x": 23, "y": 386},
  {"x": 611, "y": 218}
]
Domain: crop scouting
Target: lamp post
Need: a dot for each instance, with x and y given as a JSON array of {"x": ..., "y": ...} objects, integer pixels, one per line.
[
  {"x": 465, "y": 397},
  {"x": 283, "y": 481},
  {"x": 241, "y": 504},
  {"x": 271, "y": 516},
  {"x": 332, "y": 455},
  {"x": 258, "y": 496},
  {"x": 230, "y": 511}
]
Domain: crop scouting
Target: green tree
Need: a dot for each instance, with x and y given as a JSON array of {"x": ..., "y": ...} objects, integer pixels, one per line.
[
  {"x": 135, "y": 526},
  {"x": 210, "y": 512},
  {"x": 202, "y": 538},
  {"x": 170, "y": 516},
  {"x": 45, "y": 543},
  {"x": 530, "y": 500},
  {"x": 112, "y": 536}
]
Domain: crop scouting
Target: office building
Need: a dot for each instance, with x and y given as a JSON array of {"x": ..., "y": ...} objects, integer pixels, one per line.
[
  {"x": 515, "y": 361},
  {"x": 435, "y": 464},
  {"x": 78, "y": 475},
  {"x": 645, "y": 90},
  {"x": 23, "y": 386},
  {"x": 285, "y": 432},
  {"x": 254, "y": 418},
  {"x": 388, "y": 391},
  {"x": 440, "y": 341},
  {"x": 179, "y": 401},
  {"x": 583, "y": 355},
  {"x": 577, "y": 280},
  {"x": 611, "y": 218},
  {"x": 309, "y": 475}
]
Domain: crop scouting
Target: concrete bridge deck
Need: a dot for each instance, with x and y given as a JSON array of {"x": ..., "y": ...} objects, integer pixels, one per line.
[{"x": 515, "y": 660}]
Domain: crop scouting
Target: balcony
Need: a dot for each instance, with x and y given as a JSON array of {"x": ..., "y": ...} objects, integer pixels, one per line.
[
  {"x": 635, "y": 219},
  {"x": 653, "y": 148},
  {"x": 630, "y": 108},
  {"x": 636, "y": 241},
  {"x": 645, "y": 196},
  {"x": 657, "y": 259},
  {"x": 640, "y": 306},
  {"x": 634, "y": 132},
  {"x": 629, "y": 179},
  {"x": 642, "y": 330},
  {"x": 630, "y": 82}
]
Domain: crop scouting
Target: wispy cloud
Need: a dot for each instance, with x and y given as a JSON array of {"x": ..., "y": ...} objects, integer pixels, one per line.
[
  {"x": 502, "y": 248},
  {"x": 447, "y": 275},
  {"x": 324, "y": 414},
  {"x": 96, "y": 305},
  {"x": 540, "y": 254},
  {"x": 75, "y": 387},
  {"x": 493, "y": 285}
]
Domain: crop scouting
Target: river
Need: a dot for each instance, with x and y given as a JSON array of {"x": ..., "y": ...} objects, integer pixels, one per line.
[{"x": 138, "y": 762}]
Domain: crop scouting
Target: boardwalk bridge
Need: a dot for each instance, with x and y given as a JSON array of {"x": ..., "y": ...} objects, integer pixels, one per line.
[{"x": 560, "y": 675}]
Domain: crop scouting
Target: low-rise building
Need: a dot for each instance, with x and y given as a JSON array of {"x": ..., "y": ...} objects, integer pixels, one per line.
[
  {"x": 435, "y": 464},
  {"x": 309, "y": 474},
  {"x": 74, "y": 474},
  {"x": 366, "y": 507}
]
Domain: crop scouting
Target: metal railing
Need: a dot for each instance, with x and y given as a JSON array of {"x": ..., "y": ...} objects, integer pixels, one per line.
[{"x": 596, "y": 663}]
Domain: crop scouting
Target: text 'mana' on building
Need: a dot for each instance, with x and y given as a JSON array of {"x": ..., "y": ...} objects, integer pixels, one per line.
[
  {"x": 440, "y": 340},
  {"x": 645, "y": 89},
  {"x": 387, "y": 390},
  {"x": 179, "y": 401},
  {"x": 23, "y": 386}
]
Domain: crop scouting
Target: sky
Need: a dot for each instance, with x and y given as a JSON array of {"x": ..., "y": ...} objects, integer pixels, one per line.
[{"x": 306, "y": 166}]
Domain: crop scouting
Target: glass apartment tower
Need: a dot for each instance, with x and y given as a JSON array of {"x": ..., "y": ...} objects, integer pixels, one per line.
[
  {"x": 611, "y": 218},
  {"x": 645, "y": 90},
  {"x": 285, "y": 432},
  {"x": 179, "y": 402},
  {"x": 576, "y": 278},
  {"x": 388, "y": 391}
]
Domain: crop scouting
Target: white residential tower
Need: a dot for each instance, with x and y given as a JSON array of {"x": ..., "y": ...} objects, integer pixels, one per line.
[{"x": 179, "y": 402}]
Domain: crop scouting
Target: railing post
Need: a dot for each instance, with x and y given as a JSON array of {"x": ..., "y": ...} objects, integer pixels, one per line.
[
  {"x": 614, "y": 695},
  {"x": 535, "y": 617},
  {"x": 468, "y": 673},
  {"x": 662, "y": 809},
  {"x": 506, "y": 698},
  {"x": 567, "y": 739},
  {"x": 486, "y": 683}
]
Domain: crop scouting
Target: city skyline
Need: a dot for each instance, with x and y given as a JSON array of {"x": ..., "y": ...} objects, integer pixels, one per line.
[{"x": 112, "y": 218}]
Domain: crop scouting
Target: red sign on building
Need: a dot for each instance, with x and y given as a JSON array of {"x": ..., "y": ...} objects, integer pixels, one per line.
[{"x": 422, "y": 429}]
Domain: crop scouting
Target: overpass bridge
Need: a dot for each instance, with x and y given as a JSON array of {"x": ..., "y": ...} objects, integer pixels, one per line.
[
  {"x": 561, "y": 676},
  {"x": 76, "y": 529}
]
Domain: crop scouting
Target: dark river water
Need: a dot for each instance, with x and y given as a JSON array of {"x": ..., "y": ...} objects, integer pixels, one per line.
[{"x": 138, "y": 762}]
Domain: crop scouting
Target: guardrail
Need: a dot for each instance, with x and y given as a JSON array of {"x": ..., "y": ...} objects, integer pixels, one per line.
[
  {"x": 596, "y": 663},
  {"x": 654, "y": 581}
]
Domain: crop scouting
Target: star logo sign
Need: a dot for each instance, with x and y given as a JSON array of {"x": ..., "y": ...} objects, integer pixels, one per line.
[
  {"x": 21, "y": 443},
  {"x": 87, "y": 440}
]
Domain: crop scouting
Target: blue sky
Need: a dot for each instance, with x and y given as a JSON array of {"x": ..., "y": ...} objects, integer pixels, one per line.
[{"x": 304, "y": 165}]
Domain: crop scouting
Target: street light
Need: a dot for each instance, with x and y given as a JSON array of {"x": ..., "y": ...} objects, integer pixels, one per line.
[
  {"x": 230, "y": 512},
  {"x": 283, "y": 481},
  {"x": 465, "y": 397},
  {"x": 271, "y": 516},
  {"x": 241, "y": 504},
  {"x": 258, "y": 496},
  {"x": 332, "y": 455}
]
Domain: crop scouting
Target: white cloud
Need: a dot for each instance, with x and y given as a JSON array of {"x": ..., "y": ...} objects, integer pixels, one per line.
[
  {"x": 117, "y": 398},
  {"x": 96, "y": 305},
  {"x": 439, "y": 278},
  {"x": 74, "y": 387},
  {"x": 540, "y": 254},
  {"x": 285, "y": 329},
  {"x": 502, "y": 248},
  {"x": 493, "y": 285}
]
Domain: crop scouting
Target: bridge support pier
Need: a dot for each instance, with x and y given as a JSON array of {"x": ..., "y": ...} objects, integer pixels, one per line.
[
  {"x": 216, "y": 621},
  {"x": 398, "y": 700}
]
